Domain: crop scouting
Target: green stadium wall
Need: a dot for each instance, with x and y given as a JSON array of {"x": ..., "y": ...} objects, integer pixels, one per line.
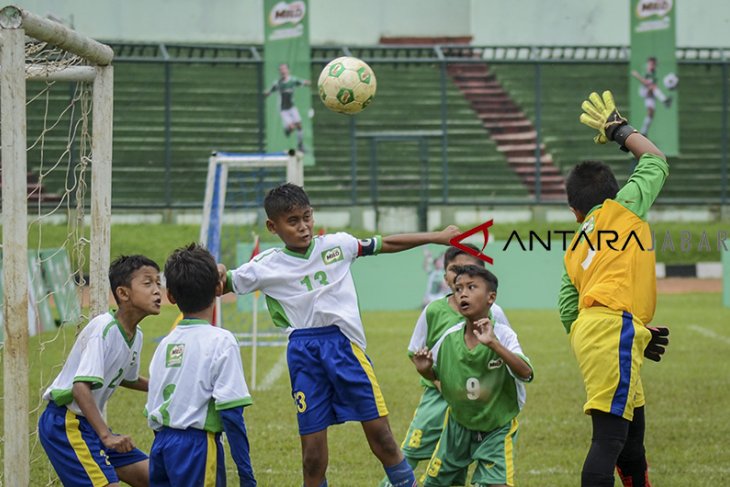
[
  {"x": 488, "y": 22},
  {"x": 389, "y": 282}
]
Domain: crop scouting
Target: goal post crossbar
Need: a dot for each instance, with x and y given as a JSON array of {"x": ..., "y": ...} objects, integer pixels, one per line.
[
  {"x": 13, "y": 17},
  {"x": 215, "y": 187},
  {"x": 35, "y": 72}
]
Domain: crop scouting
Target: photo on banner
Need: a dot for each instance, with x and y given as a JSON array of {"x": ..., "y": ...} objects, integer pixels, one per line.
[
  {"x": 288, "y": 78},
  {"x": 654, "y": 82}
]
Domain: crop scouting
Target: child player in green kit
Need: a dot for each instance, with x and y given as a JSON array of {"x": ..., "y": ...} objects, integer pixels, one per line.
[
  {"x": 482, "y": 371},
  {"x": 440, "y": 315}
]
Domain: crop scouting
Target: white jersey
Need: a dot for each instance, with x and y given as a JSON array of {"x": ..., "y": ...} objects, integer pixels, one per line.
[
  {"x": 195, "y": 372},
  {"x": 310, "y": 290},
  {"x": 103, "y": 356}
]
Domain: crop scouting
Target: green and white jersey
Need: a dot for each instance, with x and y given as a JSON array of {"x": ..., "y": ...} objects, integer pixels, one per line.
[
  {"x": 195, "y": 372},
  {"x": 481, "y": 390},
  {"x": 310, "y": 290},
  {"x": 435, "y": 319},
  {"x": 102, "y": 356},
  {"x": 286, "y": 88},
  {"x": 438, "y": 317}
]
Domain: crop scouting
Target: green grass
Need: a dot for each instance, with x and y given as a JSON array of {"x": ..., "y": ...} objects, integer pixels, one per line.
[{"x": 688, "y": 421}]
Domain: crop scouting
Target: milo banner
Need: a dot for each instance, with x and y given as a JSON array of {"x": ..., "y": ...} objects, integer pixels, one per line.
[
  {"x": 287, "y": 77},
  {"x": 654, "y": 83}
]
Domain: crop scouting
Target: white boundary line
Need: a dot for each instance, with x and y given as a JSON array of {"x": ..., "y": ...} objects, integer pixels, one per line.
[
  {"x": 273, "y": 375},
  {"x": 710, "y": 334}
]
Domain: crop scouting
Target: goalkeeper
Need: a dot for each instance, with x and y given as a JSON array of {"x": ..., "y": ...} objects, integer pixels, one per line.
[{"x": 608, "y": 295}]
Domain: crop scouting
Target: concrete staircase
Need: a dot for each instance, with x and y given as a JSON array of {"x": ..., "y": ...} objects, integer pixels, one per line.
[{"x": 509, "y": 128}]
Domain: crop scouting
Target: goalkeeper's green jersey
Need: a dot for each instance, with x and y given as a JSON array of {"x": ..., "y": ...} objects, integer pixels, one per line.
[{"x": 477, "y": 384}]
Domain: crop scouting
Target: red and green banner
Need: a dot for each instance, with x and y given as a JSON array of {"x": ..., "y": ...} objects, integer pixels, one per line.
[
  {"x": 654, "y": 82},
  {"x": 287, "y": 78}
]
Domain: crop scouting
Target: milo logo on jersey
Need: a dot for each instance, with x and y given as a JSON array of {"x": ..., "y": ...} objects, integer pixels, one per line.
[
  {"x": 174, "y": 356},
  {"x": 495, "y": 364},
  {"x": 330, "y": 256}
]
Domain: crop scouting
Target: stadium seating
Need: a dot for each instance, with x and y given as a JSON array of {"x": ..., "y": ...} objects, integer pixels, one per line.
[
  {"x": 408, "y": 101},
  {"x": 215, "y": 107},
  {"x": 695, "y": 173}
]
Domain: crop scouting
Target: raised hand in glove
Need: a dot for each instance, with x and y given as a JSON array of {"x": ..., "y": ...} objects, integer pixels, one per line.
[
  {"x": 658, "y": 343},
  {"x": 600, "y": 113}
]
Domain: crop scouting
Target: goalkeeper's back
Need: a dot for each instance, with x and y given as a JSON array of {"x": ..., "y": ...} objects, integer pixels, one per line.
[{"x": 608, "y": 262}]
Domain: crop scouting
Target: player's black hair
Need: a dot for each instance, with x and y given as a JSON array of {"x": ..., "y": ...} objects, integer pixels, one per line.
[
  {"x": 477, "y": 271},
  {"x": 452, "y": 252},
  {"x": 123, "y": 268},
  {"x": 283, "y": 199},
  {"x": 590, "y": 183},
  {"x": 651, "y": 58},
  {"x": 191, "y": 276}
]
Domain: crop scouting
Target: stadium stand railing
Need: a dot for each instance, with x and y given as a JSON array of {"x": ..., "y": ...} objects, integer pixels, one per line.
[{"x": 174, "y": 104}]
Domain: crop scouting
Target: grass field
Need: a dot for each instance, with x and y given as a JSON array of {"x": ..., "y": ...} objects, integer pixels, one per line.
[{"x": 688, "y": 422}]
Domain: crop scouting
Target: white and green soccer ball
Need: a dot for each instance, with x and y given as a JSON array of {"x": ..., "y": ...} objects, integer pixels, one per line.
[
  {"x": 347, "y": 85},
  {"x": 671, "y": 81}
]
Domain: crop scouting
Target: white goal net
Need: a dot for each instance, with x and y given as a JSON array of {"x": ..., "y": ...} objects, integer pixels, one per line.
[{"x": 56, "y": 124}]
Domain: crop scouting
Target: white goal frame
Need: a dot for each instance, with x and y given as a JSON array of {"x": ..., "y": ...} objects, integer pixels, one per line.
[
  {"x": 15, "y": 24},
  {"x": 224, "y": 160},
  {"x": 214, "y": 203},
  {"x": 220, "y": 162}
]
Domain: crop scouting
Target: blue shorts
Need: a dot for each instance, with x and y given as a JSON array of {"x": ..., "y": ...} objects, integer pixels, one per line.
[
  {"x": 332, "y": 380},
  {"x": 187, "y": 457},
  {"x": 76, "y": 451}
]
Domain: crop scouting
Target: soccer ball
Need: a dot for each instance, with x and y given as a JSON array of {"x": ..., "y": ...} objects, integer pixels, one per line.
[
  {"x": 671, "y": 81},
  {"x": 347, "y": 85}
]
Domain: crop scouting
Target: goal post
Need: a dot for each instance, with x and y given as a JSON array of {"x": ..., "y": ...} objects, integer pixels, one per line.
[
  {"x": 220, "y": 164},
  {"x": 16, "y": 67}
]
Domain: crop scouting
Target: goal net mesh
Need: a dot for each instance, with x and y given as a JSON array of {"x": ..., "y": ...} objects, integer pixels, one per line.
[{"x": 58, "y": 147}]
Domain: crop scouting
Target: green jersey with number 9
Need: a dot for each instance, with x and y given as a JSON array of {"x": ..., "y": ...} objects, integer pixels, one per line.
[{"x": 481, "y": 390}]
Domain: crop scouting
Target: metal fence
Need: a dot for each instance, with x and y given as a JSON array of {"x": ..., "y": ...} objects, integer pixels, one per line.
[{"x": 362, "y": 182}]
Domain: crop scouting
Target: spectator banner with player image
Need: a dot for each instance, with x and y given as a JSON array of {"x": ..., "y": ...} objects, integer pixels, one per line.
[
  {"x": 653, "y": 81},
  {"x": 287, "y": 78}
]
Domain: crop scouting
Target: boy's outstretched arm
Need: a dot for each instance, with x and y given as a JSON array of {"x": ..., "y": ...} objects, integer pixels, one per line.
[
  {"x": 235, "y": 429},
  {"x": 639, "y": 145},
  {"x": 600, "y": 113},
  {"x": 647, "y": 180},
  {"x": 405, "y": 241}
]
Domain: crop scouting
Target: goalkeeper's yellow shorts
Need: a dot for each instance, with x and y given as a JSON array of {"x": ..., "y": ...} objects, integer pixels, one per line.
[{"x": 609, "y": 346}]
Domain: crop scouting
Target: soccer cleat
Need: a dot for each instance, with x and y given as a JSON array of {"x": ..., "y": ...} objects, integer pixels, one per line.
[{"x": 668, "y": 101}]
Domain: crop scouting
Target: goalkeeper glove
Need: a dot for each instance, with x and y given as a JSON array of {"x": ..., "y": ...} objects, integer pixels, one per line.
[
  {"x": 600, "y": 113},
  {"x": 658, "y": 343}
]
